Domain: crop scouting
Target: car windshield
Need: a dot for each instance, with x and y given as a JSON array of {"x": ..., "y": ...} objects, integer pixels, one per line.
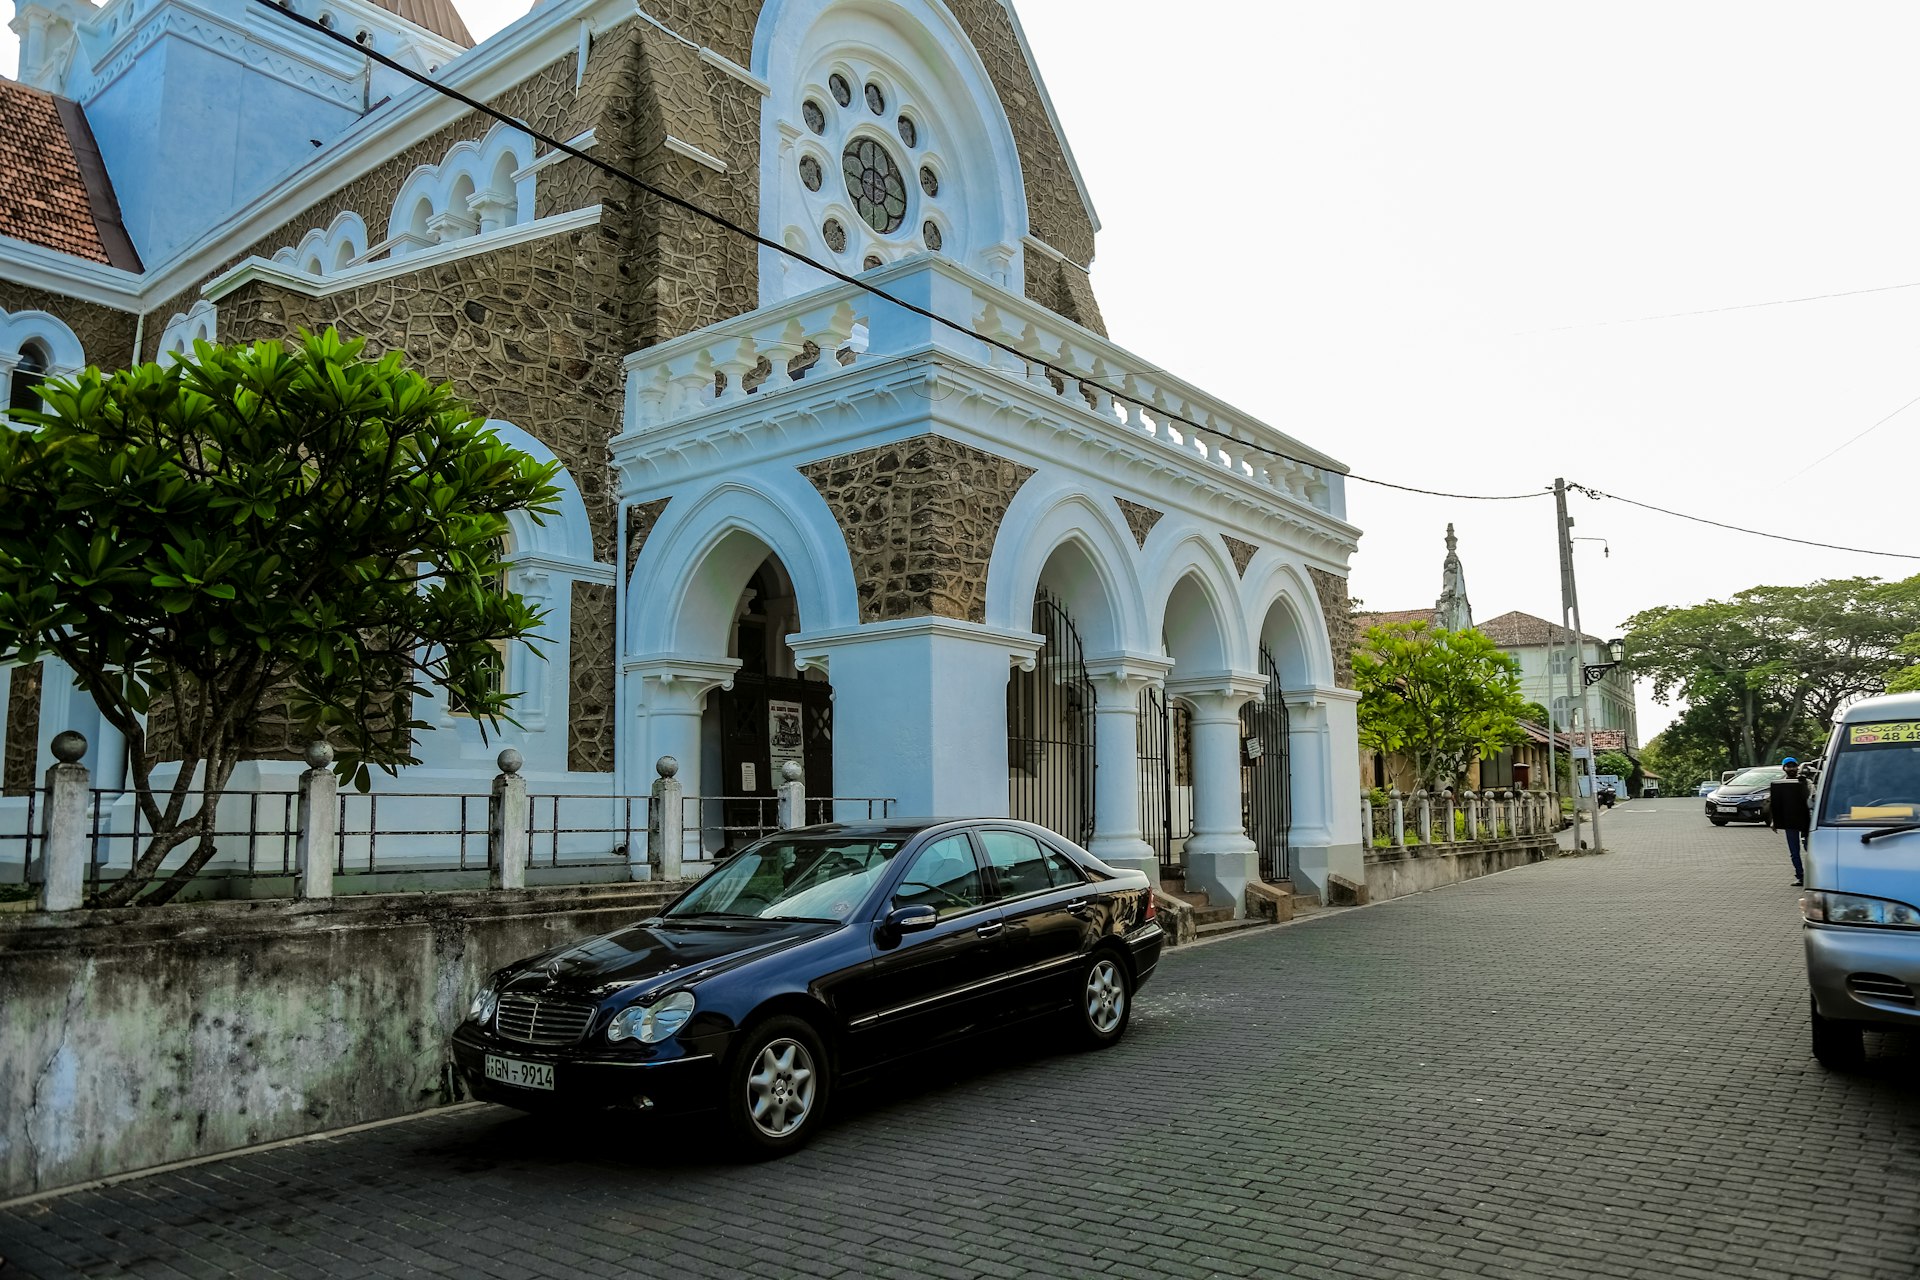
[
  {"x": 1758, "y": 777},
  {"x": 815, "y": 878},
  {"x": 1874, "y": 779}
]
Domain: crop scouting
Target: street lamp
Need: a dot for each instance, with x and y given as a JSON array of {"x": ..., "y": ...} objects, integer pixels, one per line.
[{"x": 1594, "y": 672}]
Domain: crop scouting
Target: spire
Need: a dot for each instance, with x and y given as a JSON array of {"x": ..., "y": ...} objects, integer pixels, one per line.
[{"x": 1452, "y": 611}]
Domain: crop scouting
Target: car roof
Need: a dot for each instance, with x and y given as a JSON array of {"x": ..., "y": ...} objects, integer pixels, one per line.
[
  {"x": 899, "y": 827},
  {"x": 1890, "y": 706}
]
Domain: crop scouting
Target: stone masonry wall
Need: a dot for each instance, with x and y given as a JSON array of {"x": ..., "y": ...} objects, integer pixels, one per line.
[
  {"x": 920, "y": 517},
  {"x": 106, "y": 335},
  {"x": 1338, "y": 614}
]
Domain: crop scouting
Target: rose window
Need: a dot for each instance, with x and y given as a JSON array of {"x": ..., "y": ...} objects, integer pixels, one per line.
[
  {"x": 893, "y": 199},
  {"x": 874, "y": 182}
]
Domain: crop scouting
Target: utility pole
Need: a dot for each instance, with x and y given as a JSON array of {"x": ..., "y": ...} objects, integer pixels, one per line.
[{"x": 1576, "y": 670}]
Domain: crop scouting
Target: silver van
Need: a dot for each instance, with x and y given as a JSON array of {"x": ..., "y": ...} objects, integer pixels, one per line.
[{"x": 1862, "y": 904}]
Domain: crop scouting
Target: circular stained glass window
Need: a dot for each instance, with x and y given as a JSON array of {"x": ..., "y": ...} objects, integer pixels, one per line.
[
  {"x": 876, "y": 100},
  {"x": 810, "y": 172},
  {"x": 929, "y": 181},
  {"x": 908, "y": 133},
  {"x": 842, "y": 91},
  {"x": 930, "y": 232},
  {"x": 873, "y": 260},
  {"x": 874, "y": 182},
  {"x": 815, "y": 115},
  {"x": 836, "y": 235}
]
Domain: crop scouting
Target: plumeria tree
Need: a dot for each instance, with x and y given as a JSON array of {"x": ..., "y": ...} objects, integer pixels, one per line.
[
  {"x": 1442, "y": 698},
  {"x": 267, "y": 527}
]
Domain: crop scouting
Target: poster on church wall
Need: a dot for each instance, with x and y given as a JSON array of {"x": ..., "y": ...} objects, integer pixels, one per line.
[{"x": 785, "y": 736}]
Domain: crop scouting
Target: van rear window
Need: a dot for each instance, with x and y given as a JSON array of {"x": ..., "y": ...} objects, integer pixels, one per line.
[{"x": 1875, "y": 775}]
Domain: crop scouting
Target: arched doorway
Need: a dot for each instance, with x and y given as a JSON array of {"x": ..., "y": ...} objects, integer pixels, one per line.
[
  {"x": 1050, "y": 729},
  {"x": 1266, "y": 777},
  {"x": 773, "y": 714}
]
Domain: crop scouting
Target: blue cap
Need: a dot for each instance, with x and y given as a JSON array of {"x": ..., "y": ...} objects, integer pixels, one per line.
[{"x": 1789, "y": 760}]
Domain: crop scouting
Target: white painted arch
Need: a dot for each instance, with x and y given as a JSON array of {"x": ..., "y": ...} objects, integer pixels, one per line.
[
  {"x": 1285, "y": 611},
  {"x": 1099, "y": 578},
  {"x": 18, "y": 329},
  {"x": 686, "y": 584},
  {"x": 921, "y": 57},
  {"x": 1193, "y": 592},
  {"x": 566, "y": 535}
]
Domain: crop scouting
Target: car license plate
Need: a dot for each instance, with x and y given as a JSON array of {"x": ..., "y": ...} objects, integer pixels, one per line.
[
  {"x": 526, "y": 1075},
  {"x": 1729, "y": 808}
]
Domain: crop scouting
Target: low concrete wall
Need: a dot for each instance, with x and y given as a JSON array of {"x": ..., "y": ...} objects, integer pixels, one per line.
[
  {"x": 1395, "y": 873},
  {"x": 131, "y": 1038}
]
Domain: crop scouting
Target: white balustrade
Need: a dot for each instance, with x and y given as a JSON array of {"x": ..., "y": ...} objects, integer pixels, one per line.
[{"x": 709, "y": 370}]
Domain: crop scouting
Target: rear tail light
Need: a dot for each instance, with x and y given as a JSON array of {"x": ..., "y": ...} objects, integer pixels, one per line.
[{"x": 1153, "y": 908}]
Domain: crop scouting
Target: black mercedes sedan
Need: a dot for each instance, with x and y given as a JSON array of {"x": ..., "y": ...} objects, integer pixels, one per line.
[{"x": 811, "y": 958}]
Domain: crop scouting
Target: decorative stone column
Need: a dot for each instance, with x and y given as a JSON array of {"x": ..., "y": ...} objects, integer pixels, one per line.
[
  {"x": 673, "y": 694},
  {"x": 1119, "y": 837},
  {"x": 1220, "y": 858}
]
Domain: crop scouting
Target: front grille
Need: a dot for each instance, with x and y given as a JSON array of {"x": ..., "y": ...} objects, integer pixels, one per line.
[
  {"x": 1879, "y": 986},
  {"x": 538, "y": 1021}
]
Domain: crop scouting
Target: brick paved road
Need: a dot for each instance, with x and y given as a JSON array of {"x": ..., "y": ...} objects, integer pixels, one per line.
[{"x": 1594, "y": 1067}]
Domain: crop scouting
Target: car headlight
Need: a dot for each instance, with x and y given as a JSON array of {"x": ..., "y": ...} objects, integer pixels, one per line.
[
  {"x": 1851, "y": 908},
  {"x": 652, "y": 1023},
  {"x": 485, "y": 1000}
]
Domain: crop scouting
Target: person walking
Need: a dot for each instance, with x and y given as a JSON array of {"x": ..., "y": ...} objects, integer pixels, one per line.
[{"x": 1790, "y": 810}]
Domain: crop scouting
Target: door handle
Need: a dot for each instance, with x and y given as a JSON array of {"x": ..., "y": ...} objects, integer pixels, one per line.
[
  {"x": 989, "y": 930},
  {"x": 1081, "y": 906}
]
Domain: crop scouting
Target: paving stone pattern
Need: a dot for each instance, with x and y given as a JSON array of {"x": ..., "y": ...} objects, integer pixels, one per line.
[{"x": 1589, "y": 1067}]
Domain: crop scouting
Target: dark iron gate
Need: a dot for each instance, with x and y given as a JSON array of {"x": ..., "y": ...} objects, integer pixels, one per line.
[
  {"x": 1265, "y": 794},
  {"x": 1050, "y": 730},
  {"x": 1156, "y": 776}
]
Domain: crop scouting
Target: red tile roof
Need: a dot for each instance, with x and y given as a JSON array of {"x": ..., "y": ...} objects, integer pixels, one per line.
[
  {"x": 54, "y": 191},
  {"x": 437, "y": 16},
  {"x": 1518, "y": 630},
  {"x": 1362, "y": 621}
]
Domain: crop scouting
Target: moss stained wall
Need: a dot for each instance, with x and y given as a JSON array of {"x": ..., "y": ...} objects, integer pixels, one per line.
[{"x": 134, "y": 1037}]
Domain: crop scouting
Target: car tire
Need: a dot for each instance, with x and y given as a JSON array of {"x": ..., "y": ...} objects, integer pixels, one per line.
[
  {"x": 1103, "y": 1001},
  {"x": 1718, "y": 822},
  {"x": 778, "y": 1082},
  {"x": 1837, "y": 1045}
]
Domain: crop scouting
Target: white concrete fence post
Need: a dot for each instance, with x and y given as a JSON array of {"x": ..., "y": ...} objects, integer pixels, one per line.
[
  {"x": 792, "y": 789},
  {"x": 666, "y": 817},
  {"x": 319, "y": 823},
  {"x": 1473, "y": 816},
  {"x": 1425, "y": 819},
  {"x": 509, "y": 829},
  {"x": 1451, "y": 837},
  {"x": 1366, "y": 820},
  {"x": 1397, "y": 807},
  {"x": 62, "y": 869},
  {"x": 1513, "y": 814}
]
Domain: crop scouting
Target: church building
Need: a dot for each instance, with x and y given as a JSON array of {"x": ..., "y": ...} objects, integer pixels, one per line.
[{"x": 967, "y": 555}]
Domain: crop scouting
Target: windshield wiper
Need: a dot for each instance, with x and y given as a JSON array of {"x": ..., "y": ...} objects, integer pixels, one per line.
[
  {"x": 1870, "y": 836},
  {"x": 804, "y": 919}
]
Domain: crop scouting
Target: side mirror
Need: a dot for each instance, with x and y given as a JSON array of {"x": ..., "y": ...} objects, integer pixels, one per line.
[{"x": 904, "y": 920}]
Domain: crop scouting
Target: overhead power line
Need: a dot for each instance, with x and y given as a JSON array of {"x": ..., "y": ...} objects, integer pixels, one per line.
[
  {"x": 1738, "y": 306},
  {"x": 1592, "y": 492},
  {"x": 641, "y": 184}
]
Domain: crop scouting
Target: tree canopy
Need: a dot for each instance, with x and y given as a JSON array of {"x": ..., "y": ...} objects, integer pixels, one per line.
[
  {"x": 1443, "y": 698},
  {"x": 1763, "y": 672},
  {"x": 254, "y": 527}
]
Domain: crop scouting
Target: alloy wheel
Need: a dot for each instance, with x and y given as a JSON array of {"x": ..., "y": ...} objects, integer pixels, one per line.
[
  {"x": 780, "y": 1089},
  {"x": 1106, "y": 996}
]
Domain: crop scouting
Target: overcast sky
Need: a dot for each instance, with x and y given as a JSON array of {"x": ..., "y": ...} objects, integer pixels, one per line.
[{"x": 1423, "y": 238}]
